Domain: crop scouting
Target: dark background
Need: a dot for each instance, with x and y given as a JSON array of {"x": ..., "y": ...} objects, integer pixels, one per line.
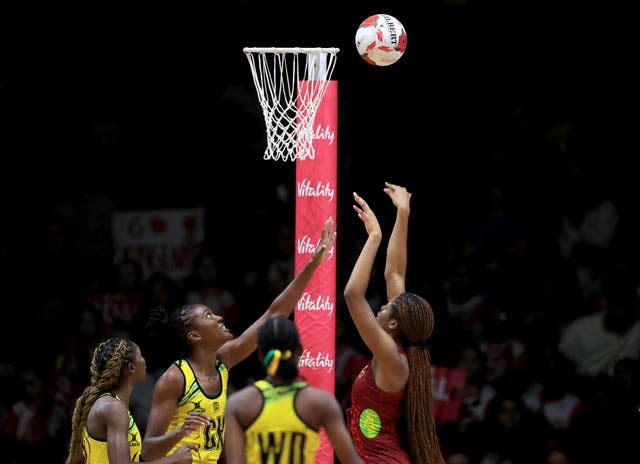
[
  {"x": 153, "y": 106},
  {"x": 158, "y": 75},
  {"x": 124, "y": 106}
]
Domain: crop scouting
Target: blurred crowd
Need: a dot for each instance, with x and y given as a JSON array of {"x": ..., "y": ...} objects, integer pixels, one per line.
[{"x": 536, "y": 299}]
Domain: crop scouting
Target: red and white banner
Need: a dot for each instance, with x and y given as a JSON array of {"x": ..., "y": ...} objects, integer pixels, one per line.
[
  {"x": 446, "y": 390},
  {"x": 162, "y": 241},
  {"x": 316, "y": 200}
]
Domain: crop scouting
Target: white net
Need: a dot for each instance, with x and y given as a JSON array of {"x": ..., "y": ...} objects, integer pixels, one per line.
[{"x": 290, "y": 83}]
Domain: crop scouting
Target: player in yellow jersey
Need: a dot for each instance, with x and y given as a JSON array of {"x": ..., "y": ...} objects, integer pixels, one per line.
[
  {"x": 277, "y": 420},
  {"x": 102, "y": 430},
  {"x": 189, "y": 399}
]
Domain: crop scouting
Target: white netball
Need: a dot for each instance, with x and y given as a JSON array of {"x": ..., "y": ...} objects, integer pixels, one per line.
[{"x": 381, "y": 40}]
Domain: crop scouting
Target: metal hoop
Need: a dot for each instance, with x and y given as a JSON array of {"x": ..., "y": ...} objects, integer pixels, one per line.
[{"x": 290, "y": 83}]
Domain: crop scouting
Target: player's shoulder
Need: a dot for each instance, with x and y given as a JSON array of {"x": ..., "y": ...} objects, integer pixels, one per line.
[
  {"x": 244, "y": 405},
  {"x": 317, "y": 407},
  {"x": 172, "y": 378},
  {"x": 317, "y": 395},
  {"x": 248, "y": 393},
  {"x": 175, "y": 370},
  {"x": 108, "y": 405}
]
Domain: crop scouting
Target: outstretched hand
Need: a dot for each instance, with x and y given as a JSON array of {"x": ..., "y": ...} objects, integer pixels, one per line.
[
  {"x": 398, "y": 194},
  {"x": 365, "y": 213},
  {"x": 326, "y": 241}
]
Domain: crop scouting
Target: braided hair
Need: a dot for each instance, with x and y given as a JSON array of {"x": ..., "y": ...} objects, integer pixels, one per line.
[
  {"x": 278, "y": 340},
  {"x": 172, "y": 328},
  {"x": 415, "y": 323},
  {"x": 109, "y": 359}
]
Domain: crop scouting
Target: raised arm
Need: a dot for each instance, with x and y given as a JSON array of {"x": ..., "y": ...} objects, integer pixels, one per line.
[
  {"x": 395, "y": 270},
  {"x": 379, "y": 342},
  {"x": 234, "y": 351}
]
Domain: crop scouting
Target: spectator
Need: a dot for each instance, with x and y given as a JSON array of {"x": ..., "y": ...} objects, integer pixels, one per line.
[
  {"x": 119, "y": 301},
  {"x": 33, "y": 421},
  {"x": 205, "y": 286},
  {"x": 596, "y": 342}
]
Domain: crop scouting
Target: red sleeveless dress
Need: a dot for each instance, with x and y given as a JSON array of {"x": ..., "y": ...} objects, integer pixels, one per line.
[{"x": 374, "y": 419}]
